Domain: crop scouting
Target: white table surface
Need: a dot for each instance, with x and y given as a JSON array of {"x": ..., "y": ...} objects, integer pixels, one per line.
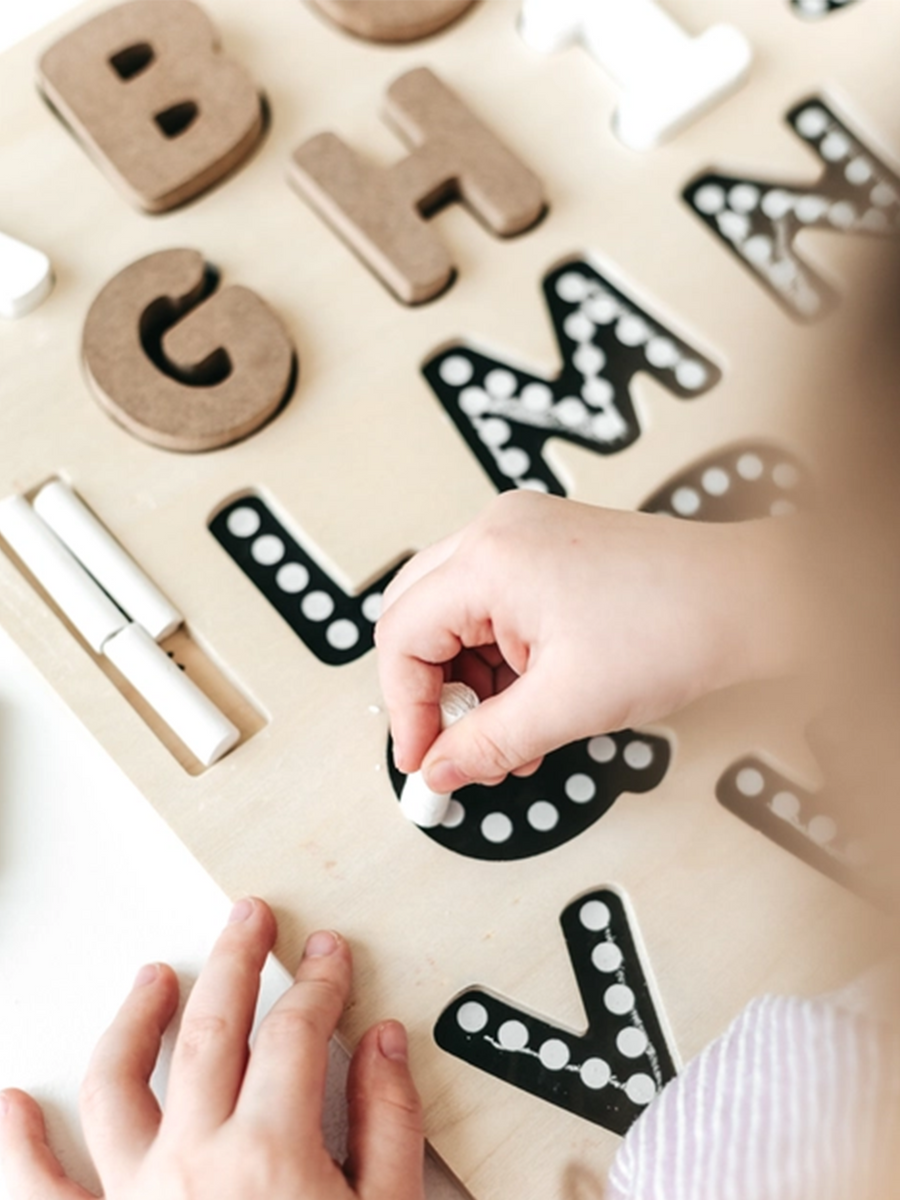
[{"x": 92, "y": 882}]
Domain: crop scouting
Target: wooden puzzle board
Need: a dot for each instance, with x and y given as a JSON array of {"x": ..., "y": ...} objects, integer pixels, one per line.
[{"x": 363, "y": 466}]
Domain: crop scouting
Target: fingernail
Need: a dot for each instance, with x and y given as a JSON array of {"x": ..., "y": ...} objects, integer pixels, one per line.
[
  {"x": 240, "y": 912},
  {"x": 146, "y": 974},
  {"x": 392, "y": 1041},
  {"x": 4, "y": 1104},
  {"x": 445, "y": 777},
  {"x": 320, "y": 945}
]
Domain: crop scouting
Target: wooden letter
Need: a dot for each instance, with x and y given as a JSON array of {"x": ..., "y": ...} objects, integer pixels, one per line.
[
  {"x": 392, "y": 20},
  {"x": 381, "y": 212},
  {"x": 179, "y": 367},
  {"x": 144, "y": 87}
]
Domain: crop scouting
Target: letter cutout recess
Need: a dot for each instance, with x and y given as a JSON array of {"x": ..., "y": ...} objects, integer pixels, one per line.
[
  {"x": 607, "y": 1075},
  {"x": 181, "y": 365},
  {"x": 812, "y": 10},
  {"x": 507, "y": 415},
  {"x": 144, "y": 88},
  {"x": 759, "y": 220},
  {"x": 336, "y": 627}
]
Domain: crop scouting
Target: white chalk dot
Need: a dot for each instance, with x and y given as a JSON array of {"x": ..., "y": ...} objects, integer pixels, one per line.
[
  {"x": 883, "y": 195},
  {"x": 456, "y": 370},
  {"x": 750, "y": 467},
  {"x": 822, "y": 830},
  {"x": 496, "y": 827},
  {"x": 786, "y": 475},
  {"x": 750, "y": 782},
  {"x": 317, "y": 606},
  {"x": 578, "y": 327},
  {"x": 292, "y": 578},
  {"x": 602, "y": 749},
  {"x": 602, "y": 309},
  {"x": 662, "y": 352},
  {"x": 785, "y": 805},
  {"x": 494, "y": 431},
  {"x": 619, "y": 999},
  {"x": 543, "y": 816},
  {"x": 632, "y": 330},
  {"x": 777, "y": 203},
  {"x": 456, "y": 814},
  {"x": 513, "y": 462},
  {"x": 632, "y": 1043},
  {"x": 607, "y": 957},
  {"x": 842, "y": 215},
  {"x": 743, "y": 197},
  {"x": 372, "y": 605},
  {"x": 686, "y": 501},
  {"x": 572, "y": 288},
  {"x": 812, "y": 122},
  {"x": 758, "y": 249},
  {"x": 588, "y": 359},
  {"x": 570, "y": 411},
  {"x": 784, "y": 273},
  {"x": 782, "y": 508},
  {"x": 875, "y": 219},
  {"x": 580, "y": 789},
  {"x": 554, "y": 1054},
  {"x": 474, "y": 401},
  {"x": 858, "y": 171},
  {"x": 268, "y": 549},
  {"x": 640, "y": 1089},
  {"x": 471, "y": 1017},
  {"x": 835, "y": 146},
  {"x": 710, "y": 198},
  {"x": 716, "y": 481},
  {"x": 500, "y": 384},
  {"x": 342, "y": 634},
  {"x": 533, "y": 485},
  {"x": 595, "y": 1073},
  {"x": 513, "y": 1035},
  {"x": 243, "y": 522},
  {"x": 594, "y": 915},
  {"x": 598, "y": 391},
  {"x": 734, "y": 226},
  {"x": 810, "y": 209},
  {"x": 691, "y": 374},
  {"x": 537, "y": 397},
  {"x": 638, "y": 755}
]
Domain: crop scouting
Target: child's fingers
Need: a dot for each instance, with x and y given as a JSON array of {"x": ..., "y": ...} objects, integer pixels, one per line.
[
  {"x": 284, "y": 1086},
  {"x": 418, "y": 567},
  {"x": 211, "y": 1051},
  {"x": 386, "y": 1139},
  {"x": 30, "y": 1168},
  {"x": 119, "y": 1111}
]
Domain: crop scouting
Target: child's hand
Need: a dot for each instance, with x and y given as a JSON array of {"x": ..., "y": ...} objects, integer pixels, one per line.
[
  {"x": 236, "y": 1127},
  {"x": 587, "y": 620}
]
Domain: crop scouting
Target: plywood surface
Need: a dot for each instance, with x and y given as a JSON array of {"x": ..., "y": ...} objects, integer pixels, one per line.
[{"x": 363, "y": 467}]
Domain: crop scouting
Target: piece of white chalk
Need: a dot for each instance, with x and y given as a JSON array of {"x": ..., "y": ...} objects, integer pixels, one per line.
[
  {"x": 60, "y": 575},
  {"x": 26, "y": 277},
  {"x": 668, "y": 78},
  {"x": 97, "y": 550},
  {"x": 188, "y": 712},
  {"x": 418, "y": 802}
]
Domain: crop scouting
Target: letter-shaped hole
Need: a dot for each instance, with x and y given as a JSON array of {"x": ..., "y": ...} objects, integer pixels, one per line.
[
  {"x": 176, "y": 120},
  {"x": 133, "y": 60}
]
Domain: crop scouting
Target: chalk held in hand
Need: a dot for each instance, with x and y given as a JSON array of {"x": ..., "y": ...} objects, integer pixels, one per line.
[{"x": 418, "y": 802}]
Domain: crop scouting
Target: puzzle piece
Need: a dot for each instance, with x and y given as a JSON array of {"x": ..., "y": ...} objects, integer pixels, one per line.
[
  {"x": 507, "y": 415},
  {"x": 758, "y": 220},
  {"x": 804, "y": 823},
  {"x": 381, "y": 213},
  {"x": 26, "y": 277},
  {"x": 145, "y": 89},
  {"x": 814, "y": 9},
  {"x": 572, "y": 788},
  {"x": 607, "y": 1075},
  {"x": 181, "y": 365},
  {"x": 393, "y": 20},
  {"x": 336, "y": 627},
  {"x": 737, "y": 483},
  {"x": 668, "y": 78}
]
